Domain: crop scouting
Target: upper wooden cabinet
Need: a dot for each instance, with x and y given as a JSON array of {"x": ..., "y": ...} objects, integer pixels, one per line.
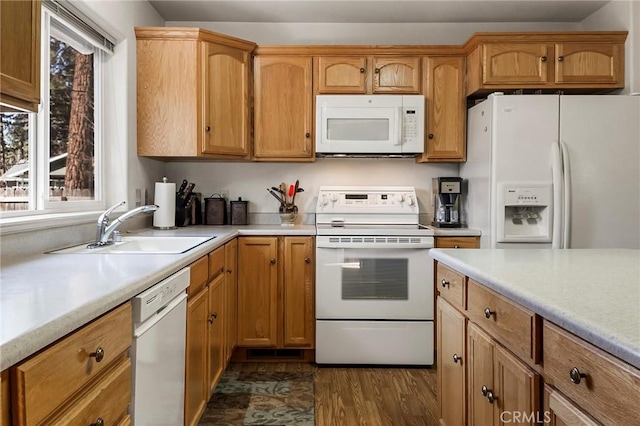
[
  {"x": 194, "y": 89},
  {"x": 283, "y": 109},
  {"x": 367, "y": 74},
  {"x": 446, "y": 109},
  {"x": 554, "y": 61},
  {"x": 20, "y": 54}
]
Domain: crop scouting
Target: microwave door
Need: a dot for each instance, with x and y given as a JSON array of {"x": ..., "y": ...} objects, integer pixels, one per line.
[{"x": 359, "y": 130}]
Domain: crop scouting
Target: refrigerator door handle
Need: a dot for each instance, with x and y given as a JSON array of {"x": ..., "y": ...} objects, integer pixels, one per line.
[
  {"x": 556, "y": 172},
  {"x": 566, "y": 205}
]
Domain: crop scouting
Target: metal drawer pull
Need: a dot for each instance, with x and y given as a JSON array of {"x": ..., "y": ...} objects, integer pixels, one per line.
[
  {"x": 484, "y": 390},
  {"x": 213, "y": 317},
  {"x": 362, "y": 70},
  {"x": 456, "y": 246},
  {"x": 488, "y": 312},
  {"x": 273, "y": 261},
  {"x": 456, "y": 358},
  {"x": 99, "y": 422},
  {"x": 560, "y": 58},
  {"x": 445, "y": 283},
  {"x": 576, "y": 376},
  {"x": 98, "y": 354},
  {"x": 543, "y": 58},
  {"x": 307, "y": 260}
]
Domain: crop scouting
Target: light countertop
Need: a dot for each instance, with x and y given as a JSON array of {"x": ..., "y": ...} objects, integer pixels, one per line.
[
  {"x": 45, "y": 296},
  {"x": 593, "y": 293}
]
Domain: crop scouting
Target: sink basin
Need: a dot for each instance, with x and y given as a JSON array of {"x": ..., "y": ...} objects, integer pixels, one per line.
[{"x": 140, "y": 245}]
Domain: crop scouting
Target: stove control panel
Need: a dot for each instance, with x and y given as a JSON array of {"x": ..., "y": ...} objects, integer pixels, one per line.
[{"x": 367, "y": 199}]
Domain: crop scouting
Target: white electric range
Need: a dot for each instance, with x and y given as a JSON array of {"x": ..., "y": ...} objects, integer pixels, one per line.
[{"x": 374, "y": 278}]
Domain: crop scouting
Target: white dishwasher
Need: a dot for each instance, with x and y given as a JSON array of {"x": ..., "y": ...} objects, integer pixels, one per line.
[{"x": 158, "y": 352}]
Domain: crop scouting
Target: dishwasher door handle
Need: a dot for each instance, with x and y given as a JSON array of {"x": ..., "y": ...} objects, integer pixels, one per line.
[{"x": 140, "y": 329}]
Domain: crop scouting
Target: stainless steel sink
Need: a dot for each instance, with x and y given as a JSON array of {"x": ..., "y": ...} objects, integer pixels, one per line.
[{"x": 140, "y": 245}]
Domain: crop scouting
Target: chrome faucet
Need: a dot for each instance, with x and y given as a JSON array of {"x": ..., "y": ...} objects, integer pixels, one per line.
[{"x": 104, "y": 229}]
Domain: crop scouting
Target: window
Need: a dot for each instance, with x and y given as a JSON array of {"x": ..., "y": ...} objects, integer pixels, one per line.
[{"x": 52, "y": 161}]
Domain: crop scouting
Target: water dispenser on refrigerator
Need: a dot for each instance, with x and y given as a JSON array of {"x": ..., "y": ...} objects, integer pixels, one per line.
[{"x": 525, "y": 212}]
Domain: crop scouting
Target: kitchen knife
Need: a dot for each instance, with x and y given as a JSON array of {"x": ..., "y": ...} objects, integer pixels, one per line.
[
  {"x": 183, "y": 185},
  {"x": 187, "y": 193}
]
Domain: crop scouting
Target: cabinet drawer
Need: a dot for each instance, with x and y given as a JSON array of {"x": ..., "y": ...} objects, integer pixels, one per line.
[
  {"x": 108, "y": 400},
  {"x": 216, "y": 262},
  {"x": 450, "y": 284},
  {"x": 47, "y": 379},
  {"x": 509, "y": 323},
  {"x": 198, "y": 275},
  {"x": 610, "y": 391},
  {"x": 457, "y": 242}
]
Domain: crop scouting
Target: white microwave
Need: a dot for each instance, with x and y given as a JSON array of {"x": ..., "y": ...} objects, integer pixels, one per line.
[{"x": 370, "y": 125}]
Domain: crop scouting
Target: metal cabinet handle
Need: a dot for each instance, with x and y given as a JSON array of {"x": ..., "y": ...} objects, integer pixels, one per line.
[
  {"x": 273, "y": 261},
  {"x": 207, "y": 128},
  {"x": 362, "y": 70},
  {"x": 213, "y": 317},
  {"x": 98, "y": 354},
  {"x": 543, "y": 58},
  {"x": 377, "y": 70},
  {"x": 229, "y": 271},
  {"x": 98, "y": 422},
  {"x": 488, "y": 312},
  {"x": 456, "y": 246},
  {"x": 456, "y": 358},
  {"x": 307, "y": 135},
  {"x": 430, "y": 136},
  {"x": 560, "y": 58},
  {"x": 484, "y": 390},
  {"x": 576, "y": 376},
  {"x": 445, "y": 283},
  {"x": 307, "y": 260},
  {"x": 491, "y": 397}
]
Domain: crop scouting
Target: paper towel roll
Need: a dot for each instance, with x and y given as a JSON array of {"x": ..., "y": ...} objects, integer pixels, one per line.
[{"x": 165, "y": 199}]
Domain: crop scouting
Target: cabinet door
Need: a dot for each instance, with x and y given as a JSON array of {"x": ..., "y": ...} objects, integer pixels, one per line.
[
  {"x": 283, "y": 108},
  {"x": 559, "y": 411},
  {"x": 341, "y": 74},
  {"x": 590, "y": 63},
  {"x": 481, "y": 361},
  {"x": 231, "y": 264},
  {"x": 20, "y": 53},
  {"x": 451, "y": 365},
  {"x": 226, "y": 100},
  {"x": 517, "y": 389},
  {"x": 196, "y": 380},
  {"x": 257, "y": 291},
  {"x": 216, "y": 322},
  {"x": 298, "y": 292},
  {"x": 446, "y": 109},
  {"x": 517, "y": 63},
  {"x": 396, "y": 75}
]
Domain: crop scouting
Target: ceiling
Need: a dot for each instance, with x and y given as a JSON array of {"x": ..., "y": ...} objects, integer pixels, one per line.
[{"x": 372, "y": 11}]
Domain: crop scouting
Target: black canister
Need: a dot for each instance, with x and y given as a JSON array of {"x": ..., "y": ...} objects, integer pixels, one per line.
[
  {"x": 239, "y": 212},
  {"x": 215, "y": 211}
]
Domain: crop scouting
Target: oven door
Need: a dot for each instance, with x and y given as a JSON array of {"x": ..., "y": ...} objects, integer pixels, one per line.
[{"x": 374, "y": 281}]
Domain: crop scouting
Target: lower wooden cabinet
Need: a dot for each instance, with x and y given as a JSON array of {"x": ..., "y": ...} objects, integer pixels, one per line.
[
  {"x": 559, "y": 411},
  {"x": 83, "y": 377},
  {"x": 210, "y": 311},
  {"x": 276, "y": 292},
  {"x": 451, "y": 364}
]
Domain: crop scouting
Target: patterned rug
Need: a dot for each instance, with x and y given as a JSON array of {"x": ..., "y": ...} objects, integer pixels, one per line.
[{"x": 262, "y": 398}]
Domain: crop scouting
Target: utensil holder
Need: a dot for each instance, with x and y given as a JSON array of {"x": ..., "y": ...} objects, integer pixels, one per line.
[{"x": 288, "y": 214}]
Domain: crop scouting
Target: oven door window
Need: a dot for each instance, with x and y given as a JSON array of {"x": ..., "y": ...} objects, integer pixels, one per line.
[{"x": 376, "y": 278}]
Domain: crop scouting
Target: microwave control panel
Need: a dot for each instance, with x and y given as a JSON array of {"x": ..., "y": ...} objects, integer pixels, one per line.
[{"x": 411, "y": 125}]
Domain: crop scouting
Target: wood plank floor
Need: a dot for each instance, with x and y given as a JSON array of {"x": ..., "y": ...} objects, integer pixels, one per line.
[{"x": 348, "y": 396}]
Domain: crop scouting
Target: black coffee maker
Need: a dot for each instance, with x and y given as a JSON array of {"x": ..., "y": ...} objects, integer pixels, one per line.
[{"x": 446, "y": 202}]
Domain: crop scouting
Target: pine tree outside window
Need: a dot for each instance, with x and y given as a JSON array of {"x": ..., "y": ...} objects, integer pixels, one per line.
[{"x": 52, "y": 161}]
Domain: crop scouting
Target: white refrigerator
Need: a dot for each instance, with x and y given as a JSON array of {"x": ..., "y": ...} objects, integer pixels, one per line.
[{"x": 555, "y": 171}]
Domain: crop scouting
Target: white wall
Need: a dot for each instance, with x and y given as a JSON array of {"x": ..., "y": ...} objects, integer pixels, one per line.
[
  {"x": 118, "y": 18},
  {"x": 621, "y": 15},
  {"x": 251, "y": 180},
  {"x": 366, "y": 34}
]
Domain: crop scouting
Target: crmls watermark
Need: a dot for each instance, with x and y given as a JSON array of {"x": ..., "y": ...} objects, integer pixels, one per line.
[{"x": 524, "y": 417}]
